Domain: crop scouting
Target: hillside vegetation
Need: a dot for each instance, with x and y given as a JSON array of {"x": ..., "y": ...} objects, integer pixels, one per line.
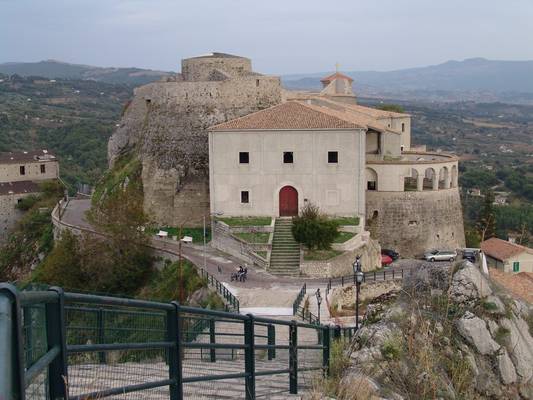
[{"x": 71, "y": 118}]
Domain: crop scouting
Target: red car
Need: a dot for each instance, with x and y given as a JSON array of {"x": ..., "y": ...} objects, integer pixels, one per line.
[{"x": 385, "y": 260}]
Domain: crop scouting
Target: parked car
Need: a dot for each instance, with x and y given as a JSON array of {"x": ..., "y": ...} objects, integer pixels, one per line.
[
  {"x": 391, "y": 253},
  {"x": 385, "y": 260},
  {"x": 440, "y": 255},
  {"x": 469, "y": 255}
]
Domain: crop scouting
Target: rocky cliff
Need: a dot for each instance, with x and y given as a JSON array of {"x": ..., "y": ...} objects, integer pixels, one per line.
[
  {"x": 445, "y": 335},
  {"x": 165, "y": 124}
]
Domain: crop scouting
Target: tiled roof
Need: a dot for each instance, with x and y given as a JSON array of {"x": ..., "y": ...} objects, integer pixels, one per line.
[
  {"x": 291, "y": 115},
  {"x": 26, "y": 156},
  {"x": 502, "y": 249},
  {"x": 336, "y": 75},
  {"x": 19, "y": 187}
]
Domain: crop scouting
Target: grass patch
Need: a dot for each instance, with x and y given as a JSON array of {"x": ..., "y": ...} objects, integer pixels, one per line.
[
  {"x": 501, "y": 335},
  {"x": 246, "y": 221},
  {"x": 343, "y": 237},
  {"x": 346, "y": 221},
  {"x": 195, "y": 233},
  {"x": 320, "y": 255},
  {"x": 263, "y": 254},
  {"x": 260, "y": 237}
]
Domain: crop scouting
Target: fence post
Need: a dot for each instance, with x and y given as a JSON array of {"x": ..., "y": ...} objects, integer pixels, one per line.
[
  {"x": 384, "y": 277},
  {"x": 374, "y": 276},
  {"x": 56, "y": 337},
  {"x": 392, "y": 274},
  {"x": 11, "y": 345},
  {"x": 212, "y": 340},
  {"x": 326, "y": 343},
  {"x": 101, "y": 334},
  {"x": 293, "y": 358},
  {"x": 342, "y": 281},
  {"x": 174, "y": 359},
  {"x": 271, "y": 341},
  {"x": 249, "y": 357}
]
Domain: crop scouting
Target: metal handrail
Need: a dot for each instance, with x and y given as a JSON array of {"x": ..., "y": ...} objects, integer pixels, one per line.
[
  {"x": 177, "y": 338},
  {"x": 231, "y": 301}
]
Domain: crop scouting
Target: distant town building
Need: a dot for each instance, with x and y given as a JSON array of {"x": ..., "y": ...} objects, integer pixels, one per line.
[
  {"x": 20, "y": 175},
  {"x": 507, "y": 256}
]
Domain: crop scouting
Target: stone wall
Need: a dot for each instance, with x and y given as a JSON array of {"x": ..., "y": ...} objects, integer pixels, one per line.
[
  {"x": 9, "y": 215},
  {"x": 413, "y": 222},
  {"x": 341, "y": 265},
  {"x": 165, "y": 126}
]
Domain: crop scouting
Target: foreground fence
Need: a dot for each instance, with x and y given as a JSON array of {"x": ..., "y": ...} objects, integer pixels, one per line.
[{"x": 57, "y": 345}]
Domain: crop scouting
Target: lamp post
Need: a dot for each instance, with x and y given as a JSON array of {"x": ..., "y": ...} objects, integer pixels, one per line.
[
  {"x": 318, "y": 301},
  {"x": 358, "y": 278},
  {"x": 205, "y": 236}
]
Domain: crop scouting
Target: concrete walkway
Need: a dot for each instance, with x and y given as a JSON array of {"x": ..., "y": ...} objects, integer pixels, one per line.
[{"x": 262, "y": 293}]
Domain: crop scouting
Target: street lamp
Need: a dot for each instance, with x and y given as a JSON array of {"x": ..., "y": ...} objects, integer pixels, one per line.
[
  {"x": 205, "y": 235},
  {"x": 318, "y": 301},
  {"x": 359, "y": 276}
]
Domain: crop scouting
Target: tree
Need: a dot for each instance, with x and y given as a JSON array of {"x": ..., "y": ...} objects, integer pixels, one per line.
[
  {"x": 487, "y": 219},
  {"x": 391, "y": 107},
  {"x": 313, "y": 229}
]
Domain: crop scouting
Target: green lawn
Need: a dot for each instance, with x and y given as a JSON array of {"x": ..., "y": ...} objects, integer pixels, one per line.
[
  {"x": 347, "y": 220},
  {"x": 320, "y": 255},
  {"x": 195, "y": 233},
  {"x": 343, "y": 237},
  {"x": 262, "y": 254},
  {"x": 246, "y": 221},
  {"x": 260, "y": 237}
]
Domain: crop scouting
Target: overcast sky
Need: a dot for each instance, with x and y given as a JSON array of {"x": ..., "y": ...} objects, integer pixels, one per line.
[{"x": 281, "y": 36}]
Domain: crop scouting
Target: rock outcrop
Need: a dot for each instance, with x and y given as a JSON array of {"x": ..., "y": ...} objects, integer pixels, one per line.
[
  {"x": 165, "y": 127},
  {"x": 465, "y": 340}
]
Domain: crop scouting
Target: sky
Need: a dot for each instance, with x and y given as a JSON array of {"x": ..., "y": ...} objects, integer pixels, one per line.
[{"x": 280, "y": 36}]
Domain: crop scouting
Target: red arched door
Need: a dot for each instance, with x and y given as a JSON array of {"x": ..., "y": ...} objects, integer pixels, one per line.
[{"x": 288, "y": 202}]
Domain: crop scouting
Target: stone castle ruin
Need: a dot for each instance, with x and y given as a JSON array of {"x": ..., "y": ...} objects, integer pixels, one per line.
[
  {"x": 411, "y": 199},
  {"x": 165, "y": 126}
]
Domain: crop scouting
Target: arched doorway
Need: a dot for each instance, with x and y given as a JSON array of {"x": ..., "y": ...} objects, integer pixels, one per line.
[{"x": 288, "y": 202}]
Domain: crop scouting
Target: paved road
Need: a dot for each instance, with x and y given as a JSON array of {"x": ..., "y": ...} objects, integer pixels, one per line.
[{"x": 260, "y": 289}]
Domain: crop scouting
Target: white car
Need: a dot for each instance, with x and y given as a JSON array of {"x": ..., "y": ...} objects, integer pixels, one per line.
[{"x": 440, "y": 255}]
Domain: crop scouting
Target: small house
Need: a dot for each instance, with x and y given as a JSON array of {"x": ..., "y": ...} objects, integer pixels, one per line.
[{"x": 507, "y": 256}]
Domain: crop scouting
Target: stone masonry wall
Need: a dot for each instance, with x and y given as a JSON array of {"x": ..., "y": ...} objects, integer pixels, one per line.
[
  {"x": 9, "y": 215},
  {"x": 413, "y": 222},
  {"x": 165, "y": 125}
]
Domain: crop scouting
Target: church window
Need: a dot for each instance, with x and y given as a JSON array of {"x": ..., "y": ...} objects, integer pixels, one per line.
[
  {"x": 333, "y": 157},
  {"x": 288, "y": 157},
  {"x": 22, "y": 170},
  {"x": 43, "y": 169},
  {"x": 244, "y": 157},
  {"x": 245, "y": 197}
]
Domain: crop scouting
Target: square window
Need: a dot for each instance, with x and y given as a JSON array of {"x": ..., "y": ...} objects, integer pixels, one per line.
[
  {"x": 333, "y": 157},
  {"x": 245, "y": 197},
  {"x": 288, "y": 157},
  {"x": 244, "y": 157},
  {"x": 22, "y": 170},
  {"x": 43, "y": 169},
  {"x": 371, "y": 185}
]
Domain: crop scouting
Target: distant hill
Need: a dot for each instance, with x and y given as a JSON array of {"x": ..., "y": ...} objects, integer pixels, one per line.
[
  {"x": 476, "y": 76},
  {"x": 60, "y": 70}
]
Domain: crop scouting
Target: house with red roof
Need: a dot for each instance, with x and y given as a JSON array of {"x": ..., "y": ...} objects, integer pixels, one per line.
[{"x": 507, "y": 256}]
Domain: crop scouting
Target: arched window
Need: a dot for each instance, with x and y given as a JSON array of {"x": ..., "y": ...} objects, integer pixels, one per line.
[
  {"x": 429, "y": 178},
  {"x": 371, "y": 179},
  {"x": 410, "y": 182}
]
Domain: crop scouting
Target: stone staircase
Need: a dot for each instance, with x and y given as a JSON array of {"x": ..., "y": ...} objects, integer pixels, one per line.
[{"x": 285, "y": 254}]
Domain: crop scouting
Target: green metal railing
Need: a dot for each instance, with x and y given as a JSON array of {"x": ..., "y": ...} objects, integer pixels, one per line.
[
  {"x": 300, "y": 310},
  {"x": 232, "y": 303},
  {"x": 58, "y": 345}
]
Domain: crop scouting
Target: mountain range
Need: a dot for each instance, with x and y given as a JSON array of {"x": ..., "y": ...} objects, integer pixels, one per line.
[
  {"x": 473, "y": 79},
  {"x": 53, "y": 69}
]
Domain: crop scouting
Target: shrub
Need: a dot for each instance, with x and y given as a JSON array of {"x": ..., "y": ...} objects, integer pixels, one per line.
[
  {"x": 501, "y": 335},
  {"x": 391, "y": 349},
  {"x": 313, "y": 229},
  {"x": 26, "y": 203}
]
